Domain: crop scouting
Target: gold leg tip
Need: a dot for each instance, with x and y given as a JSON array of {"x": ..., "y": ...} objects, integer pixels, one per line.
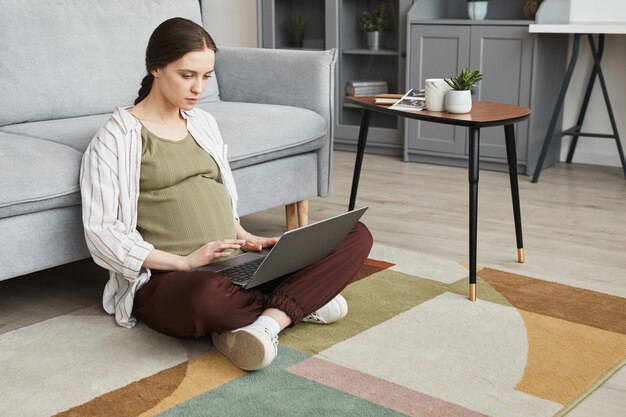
[
  {"x": 520, "y": 255},
  {"x": 472, "y": 292}
]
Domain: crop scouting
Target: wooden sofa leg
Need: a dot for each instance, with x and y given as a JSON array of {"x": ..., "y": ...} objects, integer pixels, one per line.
[
  {"x": 290, "y": 213},
  {"x": 302, "y": 208},
  {"x": 303, "y": 212}
]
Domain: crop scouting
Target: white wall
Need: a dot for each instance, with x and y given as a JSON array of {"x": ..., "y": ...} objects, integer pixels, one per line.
[
  {"x": 231, "y": 22},
  {"x": 597, "y": 150}
]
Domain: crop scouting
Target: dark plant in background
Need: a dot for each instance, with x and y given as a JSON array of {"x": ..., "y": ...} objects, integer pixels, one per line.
[
  {"x": 295, "y": 27},
  {"x": 375, "y": 20}
]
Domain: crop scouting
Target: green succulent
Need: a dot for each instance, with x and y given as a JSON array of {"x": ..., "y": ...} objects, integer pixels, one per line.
[{"x": 465, "y": 80}]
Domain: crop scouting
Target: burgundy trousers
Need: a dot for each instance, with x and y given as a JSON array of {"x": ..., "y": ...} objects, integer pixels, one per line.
[{"x": 195, "y": 303}]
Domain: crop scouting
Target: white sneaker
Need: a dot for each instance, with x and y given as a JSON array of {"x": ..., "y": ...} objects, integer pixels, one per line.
[
  {"x": 249, "y": 349},
  {"x": 333, "y": 311}
]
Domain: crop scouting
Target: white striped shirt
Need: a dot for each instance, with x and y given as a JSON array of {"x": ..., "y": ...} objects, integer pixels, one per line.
[{"x": 109, "y": 183}]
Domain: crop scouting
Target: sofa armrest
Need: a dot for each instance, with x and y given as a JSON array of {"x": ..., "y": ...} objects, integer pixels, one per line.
[{"x": 292, "y": 78}]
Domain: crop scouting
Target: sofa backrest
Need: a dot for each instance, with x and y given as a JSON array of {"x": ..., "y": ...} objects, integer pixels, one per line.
[{"x": 75, "y": 57}]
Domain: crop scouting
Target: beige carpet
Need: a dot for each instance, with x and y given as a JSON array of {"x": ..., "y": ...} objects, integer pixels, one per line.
[{"x": 412, "y": 344}]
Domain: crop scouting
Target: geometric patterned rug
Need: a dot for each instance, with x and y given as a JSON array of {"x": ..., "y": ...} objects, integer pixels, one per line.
[{"x": 412, "y": 344}]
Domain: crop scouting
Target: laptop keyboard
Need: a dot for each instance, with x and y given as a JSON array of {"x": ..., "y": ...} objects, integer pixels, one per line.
[{"x": 241, "y": 274}]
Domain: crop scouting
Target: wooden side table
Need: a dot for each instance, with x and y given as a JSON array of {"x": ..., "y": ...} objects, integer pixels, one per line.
[{"x": 483, "y": 114}]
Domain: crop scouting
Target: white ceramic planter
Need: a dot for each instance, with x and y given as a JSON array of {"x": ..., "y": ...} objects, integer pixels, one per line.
[
  {"x": 459, "y": 101},
  {"x": 477, "y": 10}
]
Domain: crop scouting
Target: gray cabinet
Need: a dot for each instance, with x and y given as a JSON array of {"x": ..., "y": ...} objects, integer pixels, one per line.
[
  {"x": 335, "y": 24},
  {"x": 504, "y": 55},
  {"x": 437, "y": 51},
  {"x": 518, "y": 67}
]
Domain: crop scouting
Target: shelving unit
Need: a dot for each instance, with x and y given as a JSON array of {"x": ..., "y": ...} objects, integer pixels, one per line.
[
  {"x": 274, "y": 15},
  {"x": 340, "y": 29}
]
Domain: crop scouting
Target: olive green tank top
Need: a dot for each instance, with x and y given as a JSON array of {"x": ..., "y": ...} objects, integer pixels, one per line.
[{"x": 182, "y": 205}]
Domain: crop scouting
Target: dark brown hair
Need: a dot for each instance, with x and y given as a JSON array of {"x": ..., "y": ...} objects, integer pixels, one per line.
[{"x": 169, "y": 42}]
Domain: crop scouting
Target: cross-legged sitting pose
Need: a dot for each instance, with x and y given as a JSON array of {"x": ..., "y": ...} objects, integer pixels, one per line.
[{"x": 159, "y": 201}]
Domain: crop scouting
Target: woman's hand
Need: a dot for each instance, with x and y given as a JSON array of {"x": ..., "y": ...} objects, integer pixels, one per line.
[
  {"x": 256, "y": 243},
  {"x": 253, "y": 243},
  {"x": 210, "y": 252}
]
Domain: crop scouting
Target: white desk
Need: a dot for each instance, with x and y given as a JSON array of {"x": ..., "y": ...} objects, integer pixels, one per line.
[
  {"x": 617, "y": 28},
  {"x": 577, "y": 29}
]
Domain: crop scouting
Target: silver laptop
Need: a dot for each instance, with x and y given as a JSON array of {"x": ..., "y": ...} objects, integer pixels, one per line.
[{"x": 296, "y": 249}]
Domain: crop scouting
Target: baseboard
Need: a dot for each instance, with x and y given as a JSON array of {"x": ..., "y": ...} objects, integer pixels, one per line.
[{"x": 582, "y": 156}]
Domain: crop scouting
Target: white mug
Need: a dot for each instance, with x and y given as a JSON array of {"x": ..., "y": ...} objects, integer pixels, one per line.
[{"x": 435, "y": 93}]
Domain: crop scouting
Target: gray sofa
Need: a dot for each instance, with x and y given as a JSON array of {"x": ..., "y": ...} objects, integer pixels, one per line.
[{"x": 65, "y": 66}]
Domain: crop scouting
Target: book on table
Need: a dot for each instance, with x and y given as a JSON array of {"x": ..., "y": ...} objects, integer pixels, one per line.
[
  {"x": 413, "y": 100},
  {"x": 387, "y": 98}
]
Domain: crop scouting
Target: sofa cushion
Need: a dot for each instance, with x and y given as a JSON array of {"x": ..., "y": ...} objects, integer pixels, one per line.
[
  {"x": 96, "y": 62},
  {"x": 263, "y": 132},
  {"x": 75, "y": 132},
  {"x": 36, "y": 175},
  {"x": 254, "y": 132},
  {"x": 52, "y": 149}
]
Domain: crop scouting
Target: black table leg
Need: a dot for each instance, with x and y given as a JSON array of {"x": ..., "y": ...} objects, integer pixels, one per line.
[
  {"x": 474, "y": 151},
  {"x": 511, "y": 155},
  {"x": 360, "y": 149},
  {"x": 558, "y": 107}
]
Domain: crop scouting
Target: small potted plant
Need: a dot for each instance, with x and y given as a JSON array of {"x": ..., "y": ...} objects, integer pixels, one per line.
[
  {"x": 477, "y": 9},
  {"x": 295, "y": 27},
  {"x": 459, "y": 99},
  {"x": 373, "y": 23}
]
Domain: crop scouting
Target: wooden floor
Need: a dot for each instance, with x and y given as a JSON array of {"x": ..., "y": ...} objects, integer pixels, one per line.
[
  {"x": 574, "y": 223},
  {"x": 574, "y": 218}
]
